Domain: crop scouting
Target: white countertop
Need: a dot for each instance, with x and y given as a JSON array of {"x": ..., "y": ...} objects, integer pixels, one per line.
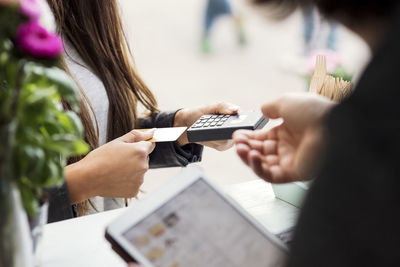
[{"x": 80, "y": 242}]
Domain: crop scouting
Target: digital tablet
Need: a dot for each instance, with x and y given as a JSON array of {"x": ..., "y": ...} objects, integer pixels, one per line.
[{"x": 189, "y": 222}]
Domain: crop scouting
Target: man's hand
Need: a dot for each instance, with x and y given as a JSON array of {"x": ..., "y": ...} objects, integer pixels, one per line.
[{"x": 288, "y": 152}]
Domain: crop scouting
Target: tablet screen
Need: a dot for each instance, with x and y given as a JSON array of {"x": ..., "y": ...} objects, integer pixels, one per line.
[{"x": 198, "y": 227}]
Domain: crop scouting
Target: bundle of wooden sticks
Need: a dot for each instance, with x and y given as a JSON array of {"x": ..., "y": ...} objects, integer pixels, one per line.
[{"x": 324, "y": 84}]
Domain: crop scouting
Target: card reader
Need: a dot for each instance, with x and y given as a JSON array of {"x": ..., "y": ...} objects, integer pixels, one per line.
[{"x": 213, "y": 127}]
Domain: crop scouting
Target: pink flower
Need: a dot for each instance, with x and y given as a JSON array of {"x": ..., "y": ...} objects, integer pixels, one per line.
[
  {"x": 36, "y": 41},
  {"x": 333, "y": 60},
  {"x": 30, "y": 8}
]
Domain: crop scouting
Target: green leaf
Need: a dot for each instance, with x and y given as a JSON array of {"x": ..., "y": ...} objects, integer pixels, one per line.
[
  {"x": 46, "y": 135},
  {"x": 80, "y": 147},
  {"x": 71, "y": 122},
  {"x": 31, "y": 159},
  {"x": 56, "y": 175},
  {"x": 29, "y": 200},
  {"x": 55, "y": 76},
  {"x": 41, "y": 96},
  {"x": 66, "y": 144},
  {"x": 66, "y": 86}
]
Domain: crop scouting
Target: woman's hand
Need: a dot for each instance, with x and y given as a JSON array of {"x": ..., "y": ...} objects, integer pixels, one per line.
[
  {"x": 188, "y": 116},
  {"x": 115, "y": 169},
  {"x": 288, "y": 152}
]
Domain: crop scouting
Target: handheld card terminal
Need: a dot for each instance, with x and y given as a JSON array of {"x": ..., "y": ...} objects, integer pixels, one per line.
[{"x": 215, "y": 127}]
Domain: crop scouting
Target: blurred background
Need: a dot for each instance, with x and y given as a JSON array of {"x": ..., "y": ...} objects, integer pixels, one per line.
[{"x": 185, "y": 69}]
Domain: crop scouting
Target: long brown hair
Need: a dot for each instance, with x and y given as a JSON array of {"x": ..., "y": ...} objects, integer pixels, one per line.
[{"x": 94, "y": 29}]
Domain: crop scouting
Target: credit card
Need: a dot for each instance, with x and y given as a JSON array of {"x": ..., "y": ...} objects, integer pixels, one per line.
[{"x": 170, "y": 134}]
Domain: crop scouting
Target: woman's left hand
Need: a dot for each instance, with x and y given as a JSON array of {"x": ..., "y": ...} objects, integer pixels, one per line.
[{"x": 188, "y": 116}]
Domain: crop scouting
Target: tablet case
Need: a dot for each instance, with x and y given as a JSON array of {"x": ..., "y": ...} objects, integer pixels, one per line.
[{"x": 118, "y": 249}]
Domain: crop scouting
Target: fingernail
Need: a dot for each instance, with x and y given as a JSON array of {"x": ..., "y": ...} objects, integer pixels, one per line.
[{"x": 234, "y": 108}]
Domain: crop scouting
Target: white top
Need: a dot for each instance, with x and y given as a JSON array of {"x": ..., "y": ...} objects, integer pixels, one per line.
[{"x": 96, "y": 93}]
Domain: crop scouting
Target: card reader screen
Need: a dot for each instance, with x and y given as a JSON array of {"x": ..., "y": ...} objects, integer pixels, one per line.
[{"x": 198, "y": 227}]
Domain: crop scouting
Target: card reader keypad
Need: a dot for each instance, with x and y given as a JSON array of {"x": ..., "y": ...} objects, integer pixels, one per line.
[
  {"x": 214, "y": 127},
  {"x": 208, "y": 121}
]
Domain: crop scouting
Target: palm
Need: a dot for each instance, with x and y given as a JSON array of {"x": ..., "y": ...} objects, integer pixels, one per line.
[
  {"x": 288, "y": 152},
  {"x": 282, "y": 169}
]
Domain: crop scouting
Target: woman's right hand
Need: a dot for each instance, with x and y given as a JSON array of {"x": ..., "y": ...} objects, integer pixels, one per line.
[{"x": 115, "y": 169}]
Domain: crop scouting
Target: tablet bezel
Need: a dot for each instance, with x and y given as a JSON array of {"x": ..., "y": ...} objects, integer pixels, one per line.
[{"x": 151, "y": 203}]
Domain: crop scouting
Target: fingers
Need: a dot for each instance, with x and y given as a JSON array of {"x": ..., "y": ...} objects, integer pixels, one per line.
[
  {"x": 268, "y": 168},
  {"x": 144, "y": 147},
  {"x": 136, "y": 136},
  {"x": 140, "y": 155},
  {"x": 279, "y": 176},
  {"x": 241, "y": 136},
  {"x": 242, "y": 140},
  {"x": 258, "y": 166},
  {"x": 272, "y": 109},
  {"x": 245, "y": 145},
  {"x": 221, "y": 108},
  {"x": 263, "y": 134},
  {"x": 272, "y": 160},
  {"x": 256, "y": 145},
  {"x": 278, "y": 108},
  {"x": 152, "y": 146},
  {"x": 218, "y": 145},
  {"x": 243, "y": 152},
  {"x": 257, "y": 140},
  {"x": 269, "y": 147}
]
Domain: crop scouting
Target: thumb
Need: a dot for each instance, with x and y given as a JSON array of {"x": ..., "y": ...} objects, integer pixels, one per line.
[
  {"x": 145, "y": 146},
  {"x": 137, "y": 136},
  {"x": 272, "y": 109}
]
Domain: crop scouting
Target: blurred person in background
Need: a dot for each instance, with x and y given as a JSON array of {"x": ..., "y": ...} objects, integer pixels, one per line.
[
  {"x": 98, "y": 57},
  {"x": 310, "y": 24},
  {"x": 350, "y": 216},
  {"x": 214, "y": 10}
]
